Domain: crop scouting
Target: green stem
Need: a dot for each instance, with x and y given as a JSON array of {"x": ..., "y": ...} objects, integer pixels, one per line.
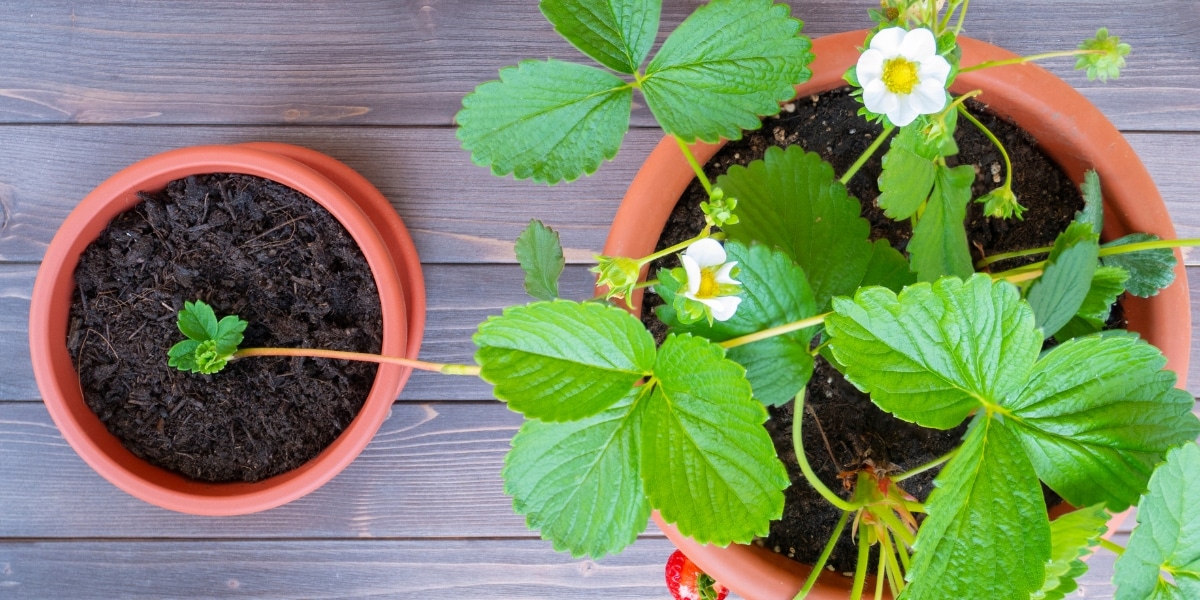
[
  {"x": 680, "y": 246},
  {"x": 818, "y": 349},
  {"x": 962, "y": 16},
  {"x": 1109, "y": 251},
  {"x": 860, "y": 570},
  {"x": 925, "y": 467},
  {"x": 774, "y": 331},
  {"x": 691, "y": 158},
  {"x": 881, "y": 572},
  {"x": 995, "y": 258},
  {"x": 819, "y": 567},
  {"x": 448, "y": 369},
  {"x": 1111, "y": 546},
  {"x": 962, "y": 110},
  {"x": 1024, "y": 59},
  {"x": 1021, "y": 275},
  {"x": 798, "y": 445},
  {"x": 862, "y": 160}
]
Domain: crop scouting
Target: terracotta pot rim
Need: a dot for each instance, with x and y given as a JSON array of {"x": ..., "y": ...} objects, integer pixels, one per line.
[
  {"x": 304, "y": 171},
  {"x": 1077, "y": 135}
]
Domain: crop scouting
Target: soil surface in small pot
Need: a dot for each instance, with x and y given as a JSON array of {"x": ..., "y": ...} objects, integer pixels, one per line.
[
  {"x": 250, "y": 247},
  {"x": 842, "y": 428}
]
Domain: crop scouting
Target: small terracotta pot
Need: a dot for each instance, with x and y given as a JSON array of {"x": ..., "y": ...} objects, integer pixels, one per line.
[
  {"x": 353, "y": 201},
  {"x": 1067, "y": 127}
]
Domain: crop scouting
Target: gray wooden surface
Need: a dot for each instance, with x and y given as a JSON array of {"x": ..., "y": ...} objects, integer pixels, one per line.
[{"x": 87, "y": 88}]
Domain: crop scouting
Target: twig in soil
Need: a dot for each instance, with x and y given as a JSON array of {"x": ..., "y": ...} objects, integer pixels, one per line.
[
  {"x": 809, "y": 409},
  {"x": 291, "y": 221}
]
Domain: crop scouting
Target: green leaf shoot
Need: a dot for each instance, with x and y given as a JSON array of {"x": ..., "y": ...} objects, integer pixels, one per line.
[
  {"x": 1072, "y": 536},
  {"x": 774, "y": 292},
  {"x": 939, "y": 241},
  {"x": 617, "y": 33},
  {"x": 907, "y": 177},
  {"x": 562, "y": 360},
  {"x": 790, "y": 200},
  {"x": 1059, "y": 293},
  {"x": 1165, "y": 540},
  {"x": 1107, "y": 57},
  {"x": 547, "y": 120},
  {"x": 1149, "y": 270},
  {"x": 726, "y": 65},
  {"x": 986, "y": 534},
  {"x": 210, "y": 344},
  {"x": 540, "y": 255}
]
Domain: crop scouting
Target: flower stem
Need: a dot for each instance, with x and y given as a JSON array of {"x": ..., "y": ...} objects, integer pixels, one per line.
[
  {"x": 962, "y": 16},
  {"x": 819, "y": 566},
  {"x": 802, "y": 459},
  {"x": 680, "y": 246},
  {"x": 925, "y": 467},
  {"x": 1024, "y": 59},
  {"x": 774, "y": 331},
  {"x": 448, "y": 369},
  {"x": 691, "y": 158},
  {"x": 1112, "y": 546},
  {"x": 962, "y": 110},
  {"x": 862, "y": 160}
]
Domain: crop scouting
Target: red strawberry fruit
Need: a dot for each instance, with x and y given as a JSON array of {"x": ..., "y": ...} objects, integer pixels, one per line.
[{"x": 688, "y": 582}]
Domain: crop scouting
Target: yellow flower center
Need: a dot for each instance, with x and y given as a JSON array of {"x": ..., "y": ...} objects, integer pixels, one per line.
[
  {"x": 709, "y": 288},
  {"x": 900, "y": 75}
]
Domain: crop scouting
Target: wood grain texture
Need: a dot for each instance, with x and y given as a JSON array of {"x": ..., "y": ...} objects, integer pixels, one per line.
[
  {"x": 458, "y": 212},
  {"x": 405, "y": 62}
]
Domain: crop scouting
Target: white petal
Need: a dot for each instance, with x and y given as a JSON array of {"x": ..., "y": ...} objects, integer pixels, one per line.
[
  {"x": 935, "y": 68},
  {"x": 888, "y": 41},
  {"x": 706, "y": 252},
  {"x": 928, "y": 97},
  {"x": 693, "y": 274},
  {"x": 722, "y": 274},
  {"x": 918, "y": 44},
  {"x": 722, "y": 307},
  {"x": 870, "y": 66},
  {"x": 875, "y": 96},
  {"x": 904, "y": 113}
]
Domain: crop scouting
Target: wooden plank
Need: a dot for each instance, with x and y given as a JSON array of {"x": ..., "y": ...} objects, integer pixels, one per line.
[
  {"x": 400, "y": 63},
  {"x": 427, "y": 569},
  {"x": 458, "y": 212}
]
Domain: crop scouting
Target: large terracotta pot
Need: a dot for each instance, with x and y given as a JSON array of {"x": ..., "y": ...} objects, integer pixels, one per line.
[
  {"x": 353, "y": 201},
  {"x": 1067, "y": 127}
]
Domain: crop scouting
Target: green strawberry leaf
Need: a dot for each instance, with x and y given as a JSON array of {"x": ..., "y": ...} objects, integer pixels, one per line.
[
  {"x": 540, "y": 254},
  {"x": 198, "y": 322},
  {"x": 939, "y": 241},
  {"x": 1059, "y": 293},
  {"x": 1110, "y": 58},
  {"x": 1149, "y": 270},
  {"x": 229, "y": 334},
  {"x": 708, "y": 465},
  {"x": 1071, "y": 538},
  {"x": 579, "y": 483},
  {"x": 561, "y": 360},
  {"x": 907, "y": 176},
  {"x": 549, "y": 120},
  {"x": 986, "y": 534},
  {"x": 1167, "y": 537},
  {"x": 616, "y": 33},
  {"x": 1096, "y": 416},
  {"x": 1107, "y": 284},
  {"x": 937, "y": 351},
  {"x": 726, "y": 65},
  {"x": 774, "y": 292},
  {"x": 791, "y": 201},
  {"x": 182, "y": 356},
  {"x": 1093, "y": 202}
]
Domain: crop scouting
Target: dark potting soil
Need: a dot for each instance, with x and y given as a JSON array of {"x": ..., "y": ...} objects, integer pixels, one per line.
[
  {"x": 250, "y": 247},
  {"x": 842, "y": 428}
]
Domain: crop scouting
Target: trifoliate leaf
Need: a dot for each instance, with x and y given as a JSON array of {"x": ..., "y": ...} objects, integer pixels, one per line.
[
  {"x": 579, "y": 483},
  {"x": 1097, "y": 415},
  {"x": 1093, "y": 202},
  {"x": 210, "y": 343},
  {"x": 540, "y": 254},
  {"x": 549, "y": 120},
  {"x": 791, "y": 201},
  {"x": 1107, "y": 284},
  {"x": 986, "y": 534},
  {"x": 562, "y": 361},
  {"x": 1109, "y": 57},
  {"x": 197, "y": 321},
  {"x": 937, "y": 352},
  {"x": 905, "y": 183},
  {"x": 1167, "y": 537},
  {"x": 182, "y": 356},
  {"x": 708, "y": 465},
  {"x": 1071, "y": 537},
  {"x": 1059, "y": 293},
  {"x": 229, "y": 334},
  {"x": 1149, "y": 270},
  {"x": 939, "y": 242},
  {"x": 617, "y": 33},
  {"x": 726, "y": 65},
  {"x": 774, "y": 292}
]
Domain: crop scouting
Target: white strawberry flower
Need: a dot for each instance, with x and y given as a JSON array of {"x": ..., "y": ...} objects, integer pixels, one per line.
[
  {"x": 709, "y": 279},
  {"x": 902, "y": 75}
]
